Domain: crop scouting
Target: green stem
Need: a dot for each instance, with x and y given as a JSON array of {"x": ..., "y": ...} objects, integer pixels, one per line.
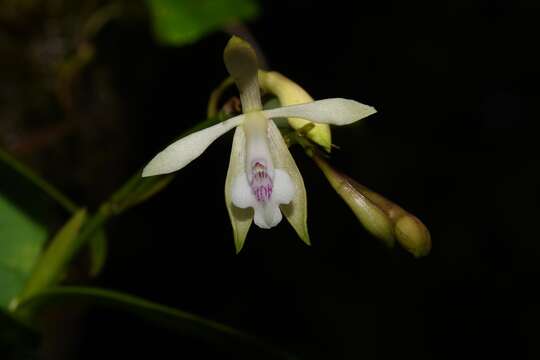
[
  {"x": 49, "y": 189},
  {"x": 51, "y": 265},
  {"x": 134, "y": 190},
  {"x": 93, "y": 225},
  {"x": 73, "y": 237}
]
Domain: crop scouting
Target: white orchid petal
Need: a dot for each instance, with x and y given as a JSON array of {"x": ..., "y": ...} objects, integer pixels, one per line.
[
  {"x": 267, "y": 215},
  {"x": 258, "y": 217},
  {"x": 241, "y": 193},
  {"x": 240, "y": 218},
  {"x": 296, "y": 210},
  {"x": 283, "y": 191},
  {"x": 182, "y": 152},
  {"x": 290, "y": 93},
  {"x": 328, "y": 111}
]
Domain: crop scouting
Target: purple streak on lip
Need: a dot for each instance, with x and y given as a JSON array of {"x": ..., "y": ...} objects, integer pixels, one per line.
[{"x": 261, "y": 183}]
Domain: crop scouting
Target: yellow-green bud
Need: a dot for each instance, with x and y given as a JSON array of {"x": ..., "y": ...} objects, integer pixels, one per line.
[
  {"x": 413, "y": 235},
  {"x": 381, "y": 217},
  {"x": 290, "y": 93}
]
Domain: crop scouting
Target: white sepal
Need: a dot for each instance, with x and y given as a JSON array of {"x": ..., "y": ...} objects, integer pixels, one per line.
[
  {"x": 241, "y": 218},
  {"x": 296, "y": 210}
]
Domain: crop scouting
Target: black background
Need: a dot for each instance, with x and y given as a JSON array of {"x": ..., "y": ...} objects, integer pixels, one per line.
[{"x": 456, "y": 89}]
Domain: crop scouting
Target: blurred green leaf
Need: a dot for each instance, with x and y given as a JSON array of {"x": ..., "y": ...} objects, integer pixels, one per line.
[
  {"x": 174, "y": 319},
  {"x": 98, "y": 243},
  {"x": 21, "y": 239},
  {"x": 52, "y": 264},
  {"x": 28, "y": 206},
  {"x": 178, "y": 22},
  {"x": 98, "y": 252}
]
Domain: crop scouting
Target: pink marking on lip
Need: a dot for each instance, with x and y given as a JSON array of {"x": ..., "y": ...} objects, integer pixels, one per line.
[{"x": 261, "y": 183}]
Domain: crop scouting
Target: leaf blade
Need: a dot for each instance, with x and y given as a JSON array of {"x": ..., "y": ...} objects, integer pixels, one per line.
[
  {"x": 52, "y": 263},
  {"x": 183, "y": 22},
  {"x": 21, "y": 240},
  {"x": 174, "y": 319}
]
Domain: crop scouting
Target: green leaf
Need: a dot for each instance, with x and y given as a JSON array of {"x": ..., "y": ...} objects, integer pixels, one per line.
[
  {"x": 28, "y": 205},
  {"x": 52, "y": 264},
  {"x": 174, "y": 319},
  {"x": 21, "y": 240},
  {"x": 296, "y": 211},
  {"x": 134, "y": 191},
  {"x": 98, "y": 244},
  {"x": 98, "y": 253},
  {"x": 241, "y": 219},
  {"x": 178, "y": 22}
]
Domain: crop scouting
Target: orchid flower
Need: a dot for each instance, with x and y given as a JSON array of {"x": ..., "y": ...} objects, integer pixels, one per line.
[{"x": 262, "y": 180}]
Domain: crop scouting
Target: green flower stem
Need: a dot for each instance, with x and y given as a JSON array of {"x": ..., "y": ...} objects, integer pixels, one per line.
[
  {"x": 81, "y": 230},
  {"x": 134, "y": 191},
  {"x": 52, "y": 263},
  {"x": 92, "y": 226}
]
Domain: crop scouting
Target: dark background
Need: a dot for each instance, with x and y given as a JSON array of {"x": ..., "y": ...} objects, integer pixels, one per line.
[{"x": 456, "y": 88}]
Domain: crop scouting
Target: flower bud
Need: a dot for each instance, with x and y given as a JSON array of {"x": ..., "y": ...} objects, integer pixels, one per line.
[
  {"x": 413, "y": 235},
  {"x": 381, "y": 217},
  {"x": 290, "y": 93}
]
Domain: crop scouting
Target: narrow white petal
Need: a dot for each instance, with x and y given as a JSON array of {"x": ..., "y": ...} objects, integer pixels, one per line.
[
  {"x": 283, "y": 191},
  {"x": 240, "y": 218},
  {"x": 182, "y": 152},
  {"x": 328, "y": 111},
  {"x": 290, "y": 93},
  {"x": 296, "y": 210}
]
